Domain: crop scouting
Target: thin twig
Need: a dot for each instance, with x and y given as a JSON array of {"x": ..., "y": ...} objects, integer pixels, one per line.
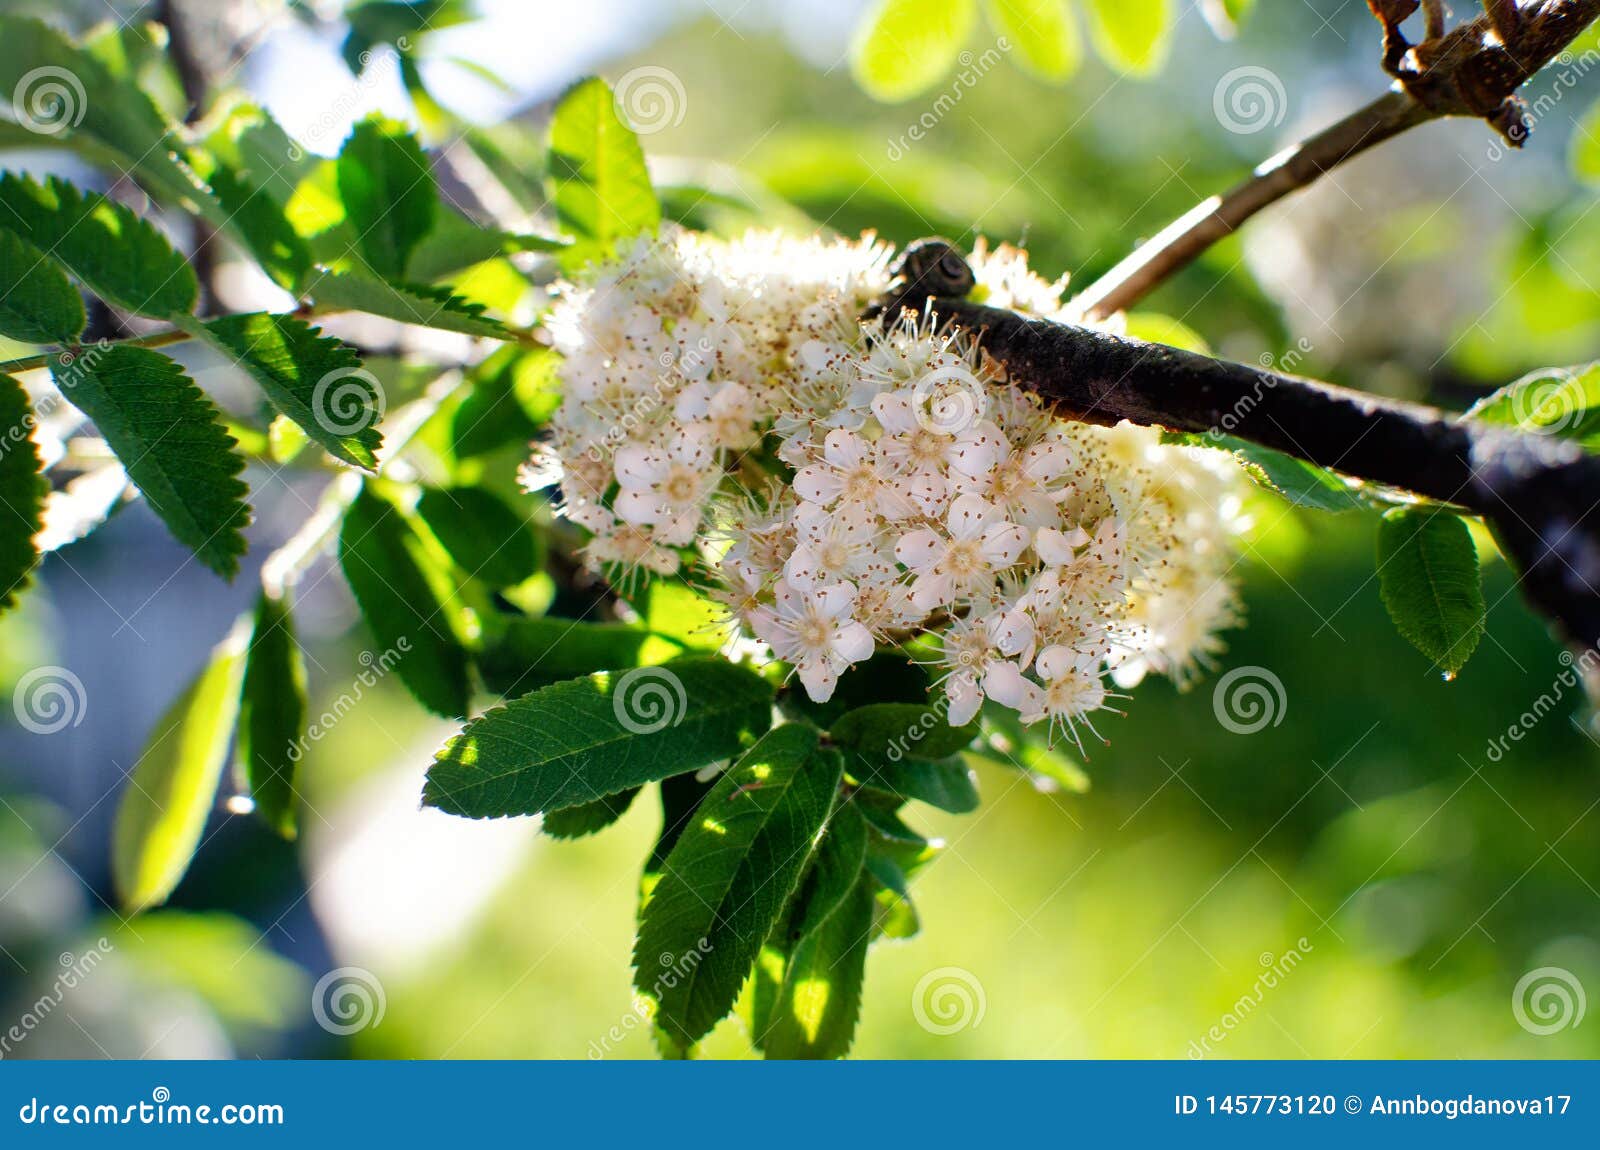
[{"x": 1470, "y": 71}]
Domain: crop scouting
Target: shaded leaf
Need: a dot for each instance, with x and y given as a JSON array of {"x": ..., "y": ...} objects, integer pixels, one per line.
[
  {"x": 486, "y": 538},
  {"x": 574, "y": 742},
  {"x": 406, "y": 601},
  {"x": 389, "y": 194},
  {"x": 1429, "y": 578},
  {"x": 173, "y": 786},
  {"x": 901, "y": 730},
  {"x": 170, "y": 438},
  {"x": 729, "y": 877},
  {"x": 37, "y": 303},
  {"x": 272, "y": 714},
  {"x": 22, "y": 491},
  {"x": 944, "y": 783},
  {"x": 521, "y": 654},
  {"x": 575, "y": 822}
]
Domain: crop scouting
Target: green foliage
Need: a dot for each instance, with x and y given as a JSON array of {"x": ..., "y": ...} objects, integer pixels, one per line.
[
  {"x": 904, "y": 47},
  {"x": 807, "y": 987},
  {"x": 21, "y": 492},
  {"x": 313, "y": 379},
  {"x": 173, "y": 786},
  {"x": 389, "y": 195},
  {"x": 171, "y": 439},
  {"x": 407, "y": 602},
  {"x": 1132, "y": 35},
  {"x": 587, "y": 818},
  {"x": 523, "y": 653},
  {"x": 488, "y": 540},
  {"x": 728, "y": 878},
  {"x": 896, "y": 730},
  {"x": 38, "y": 304},
  {"x": 577, "y": 741},
  {"x": 600, "y": 185},
  {"x": 1555, "y": 401},
  {"x": 944, "y": 783},
  {"x": 1044, "y": 34},
  {"x": 417, "y": 304},
  {"x": 1301, "y": 483},
  {"x": 118, "y": 256},
  {"x": 272, "y": 713},
  {"x": 1429, "y": 578}
]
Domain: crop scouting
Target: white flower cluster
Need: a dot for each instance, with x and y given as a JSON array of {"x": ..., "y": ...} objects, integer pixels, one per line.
[{"x": 852, "y": 484}]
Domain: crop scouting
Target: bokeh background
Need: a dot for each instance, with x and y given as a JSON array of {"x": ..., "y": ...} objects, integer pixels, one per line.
[{"x": 1417, "y": 863}]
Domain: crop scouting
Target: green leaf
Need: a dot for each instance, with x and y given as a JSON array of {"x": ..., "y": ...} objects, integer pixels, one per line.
[
  {"x": 808, "y": 976},
  {"x": 174, "y": 784},
  {"x": 170, "y": 438},
  {"x": 945, "y": 783},
  {"x": 22, "y": 491},
  {"x": 388, "y": 192},
  {"x": 507, "y": 389},
  {"x": 314, "y": 379},
  {"x": 728, "y": 878},
  {"x": 1044, "y": 34},
  {"x": 261, "y": 223},
  {"x": 1301, "y": 483},
  {"x": 575, "y": 822},
  {"x": 600, "y": 184},
  {"x": 404, "y": 303},
  {"x": 118, "y": 256},
  {"x": 820, "y": 1000},
  {"x": 1132, "y": 36},
  {"x": 574, "y": 742},
  {"x": 899, "y": 730},
  {"x": 272, "y": 716},
  {"x": 407, "y": 602},
  {"x": 486, "y": 538},
  {"x": 904, "y": 47},
  {"x": 521, "y": 654},
  {"x": 1562, "y": 401},
  {"x": 60, "y": 92},
  {"x": 1429, "y": 578},
  {"x": 37, "y": 303}
]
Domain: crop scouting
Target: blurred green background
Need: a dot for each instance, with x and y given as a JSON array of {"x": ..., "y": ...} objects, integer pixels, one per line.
[{"x": 1377, "y": 819}]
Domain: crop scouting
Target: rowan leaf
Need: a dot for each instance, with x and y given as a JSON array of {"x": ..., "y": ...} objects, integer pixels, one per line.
[
  {"x": 577, "y": 741},
  {"x": 37, "y": 302},
  {"x": 1429, "y": 578},
  {"x": 389, "y": 195},
  {"x": 600, "y": 184},
  {"x": 171, "y": 439},
  {"x": 904, "y": 47},
  {"x": 22, "y": 492},
  {"x": 272, "y": 715},
  {"x": 418, "y": 304}
]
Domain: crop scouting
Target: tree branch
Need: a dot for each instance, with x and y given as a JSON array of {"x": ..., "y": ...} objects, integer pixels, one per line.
[
  {"x": 1540, "y": 494},
  {"x": 1474, "y": 70}
]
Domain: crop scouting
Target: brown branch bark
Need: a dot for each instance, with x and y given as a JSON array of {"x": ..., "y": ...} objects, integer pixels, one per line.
[{"x": 1474, "y": 70}]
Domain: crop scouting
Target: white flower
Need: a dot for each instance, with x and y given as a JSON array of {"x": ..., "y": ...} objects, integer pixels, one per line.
[
  {"x": 852, "y": 472},
  {"x": 976, "y": 544},
  {"x": 832, "y": 546},
  {"x": 814, "y": 630},
  {"x": 666, "y": 487},
  {"x": 726, "y": 410},
  {"x": 1072, "y": 690}
]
